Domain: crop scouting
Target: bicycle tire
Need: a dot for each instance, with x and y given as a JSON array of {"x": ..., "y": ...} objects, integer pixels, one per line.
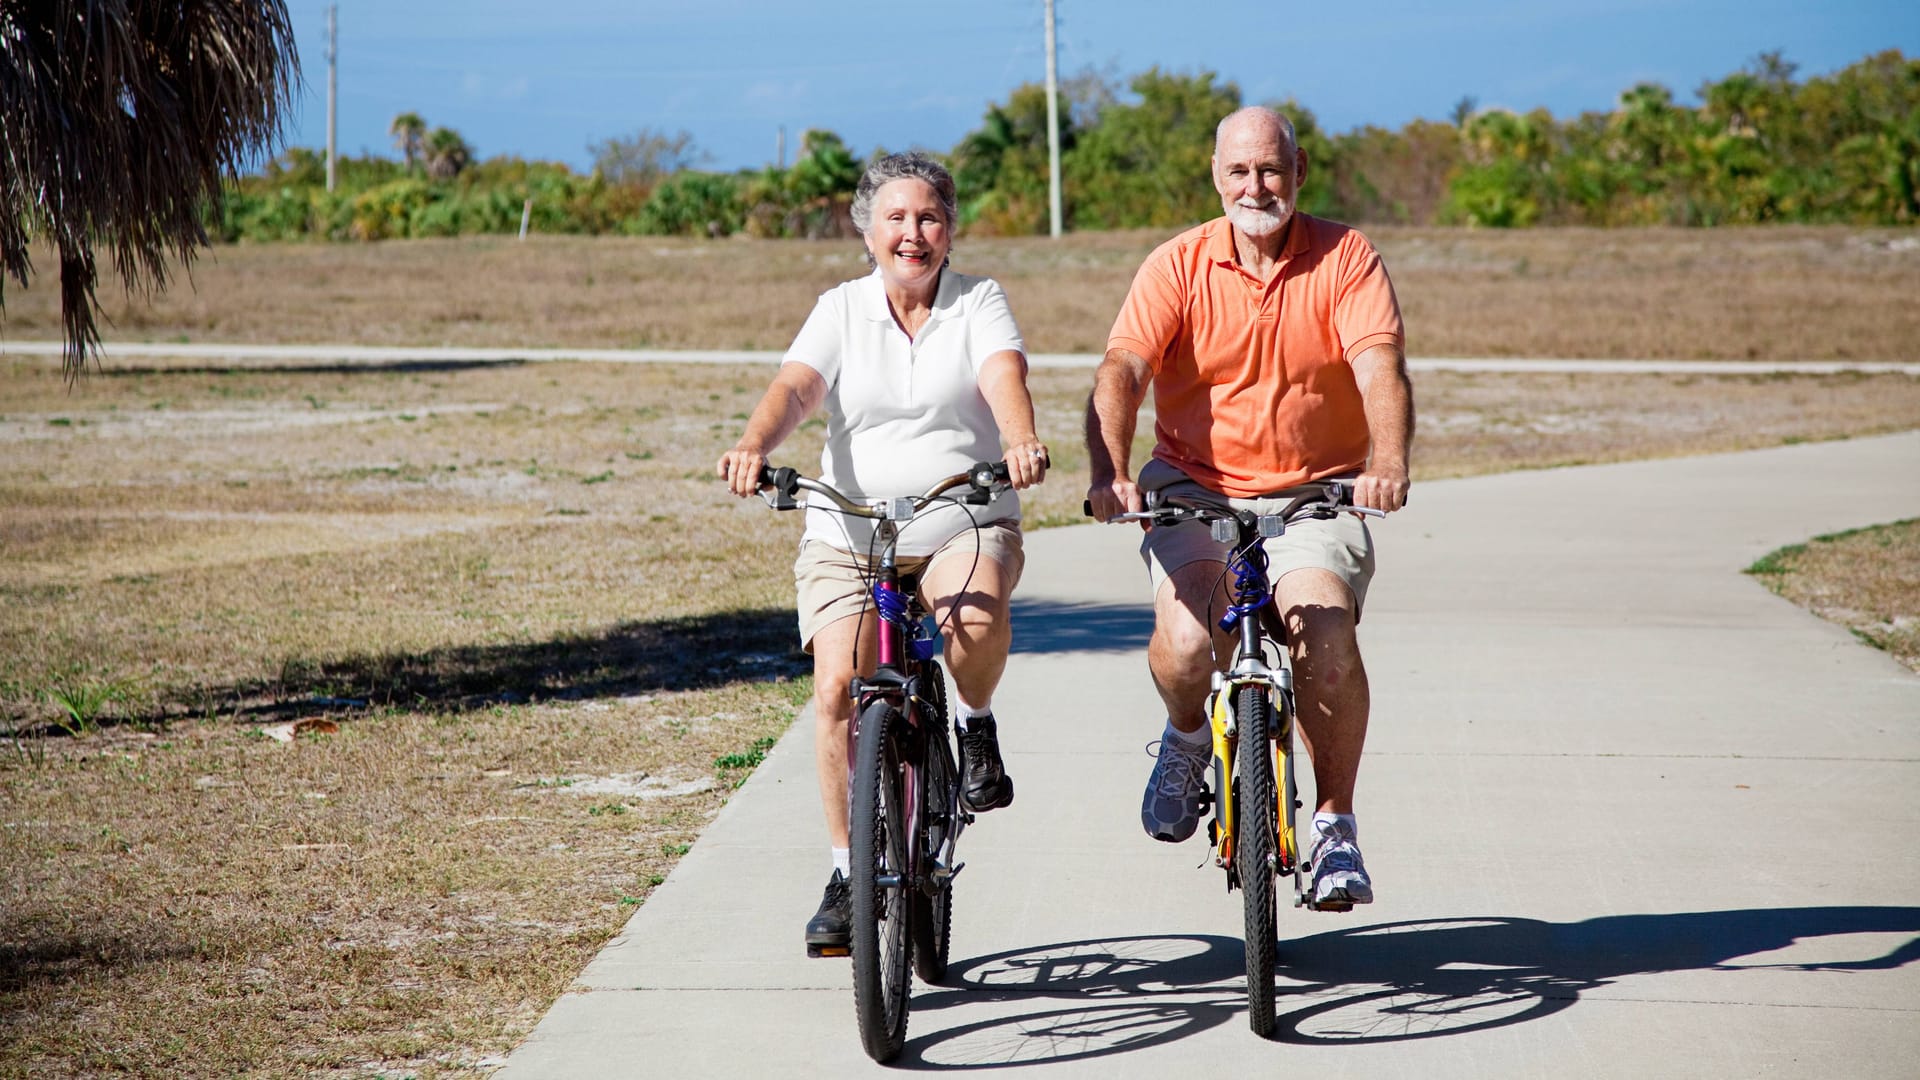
[
  {"x": 1256, "y": 849},
  {"x": 939, "y": 793},
  {"x": 882, "y": 914}
]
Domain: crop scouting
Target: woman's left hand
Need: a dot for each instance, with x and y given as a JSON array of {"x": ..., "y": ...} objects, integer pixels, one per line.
[{"x": 1027, "y": 462}]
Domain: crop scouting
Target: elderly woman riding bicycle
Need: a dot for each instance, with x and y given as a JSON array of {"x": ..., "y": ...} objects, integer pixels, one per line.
[{"x": 921, "y": 371}]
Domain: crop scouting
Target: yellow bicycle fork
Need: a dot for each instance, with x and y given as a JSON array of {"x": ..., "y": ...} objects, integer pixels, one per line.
[{"x": 1222, "y": 829}]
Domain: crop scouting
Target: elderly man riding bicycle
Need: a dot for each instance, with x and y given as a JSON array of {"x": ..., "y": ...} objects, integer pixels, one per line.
[{"x": 1273, "y": 344}]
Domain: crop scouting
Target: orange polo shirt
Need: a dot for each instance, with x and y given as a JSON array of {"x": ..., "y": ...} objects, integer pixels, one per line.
[{"x": 1253, "y": 384}]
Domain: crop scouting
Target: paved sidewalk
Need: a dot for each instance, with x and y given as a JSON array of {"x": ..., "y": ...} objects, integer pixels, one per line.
[{"x": 1627, "y": 815}]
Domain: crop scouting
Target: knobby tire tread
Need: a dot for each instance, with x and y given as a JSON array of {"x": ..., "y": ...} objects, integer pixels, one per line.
[
  {"x": 882, "y": 931},
  {"x": 1257, "y": 811}
]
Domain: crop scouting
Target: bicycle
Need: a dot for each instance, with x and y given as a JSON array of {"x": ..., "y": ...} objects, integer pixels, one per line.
[
  {"x": 905, "y": 779},
  {"x": 1251, "y": 713}
]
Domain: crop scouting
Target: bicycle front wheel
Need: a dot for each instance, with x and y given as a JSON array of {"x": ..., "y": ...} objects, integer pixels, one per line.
[
  {"x": 1256, "y": 856},
  {"x": 882, "y": 909}
]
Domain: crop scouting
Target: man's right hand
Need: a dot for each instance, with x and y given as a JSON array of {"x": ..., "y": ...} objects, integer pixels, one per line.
[{"x": 1117, "y": 496}]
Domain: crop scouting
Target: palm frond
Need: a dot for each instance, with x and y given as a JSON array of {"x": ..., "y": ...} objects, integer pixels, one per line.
[{"x": 118, "y": 121}]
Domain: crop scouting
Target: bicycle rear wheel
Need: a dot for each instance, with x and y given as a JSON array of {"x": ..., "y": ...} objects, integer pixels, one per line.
[
  {"x": 939, "y": 802},
  {"x": 882, "y": 909},
  {"x": 1256, "y": 854},
  {"x": 932, "y": 932}
]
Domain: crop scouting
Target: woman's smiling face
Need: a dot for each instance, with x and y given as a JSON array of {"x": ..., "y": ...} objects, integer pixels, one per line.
[{"x": 909, "y": 238}]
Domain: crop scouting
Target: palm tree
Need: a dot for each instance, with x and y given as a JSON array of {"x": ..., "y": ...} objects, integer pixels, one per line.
[
  {"x": 447, "y": 153},
  {"x": 410, "y": 135},
  {"x": 118, "y": 121}
]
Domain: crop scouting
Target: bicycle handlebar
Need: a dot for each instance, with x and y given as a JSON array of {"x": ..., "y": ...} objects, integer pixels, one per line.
[
  {"x": 986, "y": 478},
  {"x": 1337, "y": 499}
]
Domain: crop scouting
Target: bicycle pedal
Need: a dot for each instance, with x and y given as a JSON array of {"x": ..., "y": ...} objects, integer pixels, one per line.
[
  {"x": 1332, "y": 905},
  {"x": 817, "y": 951}
]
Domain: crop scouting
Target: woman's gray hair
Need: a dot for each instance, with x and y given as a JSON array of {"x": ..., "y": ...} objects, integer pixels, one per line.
[{"x": 912, "y": 166}]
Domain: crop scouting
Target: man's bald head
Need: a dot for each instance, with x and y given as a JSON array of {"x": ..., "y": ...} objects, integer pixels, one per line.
[{"x": 1256, "y": 119}]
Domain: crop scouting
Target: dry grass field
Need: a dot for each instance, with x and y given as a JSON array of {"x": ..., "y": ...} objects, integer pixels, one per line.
[
  {"x": 1775, "y": 293},
  {"x": 352, "y": 709}
]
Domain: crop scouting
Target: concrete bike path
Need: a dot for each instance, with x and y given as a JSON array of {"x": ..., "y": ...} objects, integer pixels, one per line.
[{"x": 1627, "y": 814}]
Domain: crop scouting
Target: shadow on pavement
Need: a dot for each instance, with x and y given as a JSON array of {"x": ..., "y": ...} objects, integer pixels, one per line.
[
  {"x": 1387, "y": 982},
  {"x": 1048, "y": 626}
]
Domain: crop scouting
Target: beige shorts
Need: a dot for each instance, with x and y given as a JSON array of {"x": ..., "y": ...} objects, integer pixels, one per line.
[
  {"x": 832, "y": 582},
  {"x": 1341, "y": 545}
]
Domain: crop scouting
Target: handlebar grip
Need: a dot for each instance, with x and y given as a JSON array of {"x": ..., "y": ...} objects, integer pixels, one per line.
[
  {"x": 1343, "y": 493},
  {"x": 985, "y": 474},
  {"x": 1086, "y": 507},
  {"x": 783, "y": 480}
]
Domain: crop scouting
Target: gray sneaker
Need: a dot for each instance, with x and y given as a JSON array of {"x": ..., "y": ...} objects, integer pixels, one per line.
[
  {"x": 1171, "y": 809},
  {"x": 1339, "y": 875}
]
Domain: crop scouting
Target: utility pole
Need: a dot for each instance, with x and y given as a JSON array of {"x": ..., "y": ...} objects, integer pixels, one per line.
[
  {"x": 1053, "y": 133},
  {"x": 780, "y": 148},
  {"x": 333, "y": 85}
]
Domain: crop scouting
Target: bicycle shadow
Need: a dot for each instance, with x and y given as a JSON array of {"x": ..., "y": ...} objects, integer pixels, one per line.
[
  {"x": 1383, "y": 983},
  {"x": 1149, "y": 990}
]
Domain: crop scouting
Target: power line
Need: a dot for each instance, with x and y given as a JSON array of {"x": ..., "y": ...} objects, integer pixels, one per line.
[
  {"x": 1053, "y": 134},
  {"x": 333, "y": 87}
]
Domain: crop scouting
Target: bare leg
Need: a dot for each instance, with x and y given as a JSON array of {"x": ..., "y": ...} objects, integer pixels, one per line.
[
  {"x": 974, "y": 622},
  {"x": 1330, "y": 682},
  {"x": 1182, "y": 653},
  {"x": 833, "y": 671}
]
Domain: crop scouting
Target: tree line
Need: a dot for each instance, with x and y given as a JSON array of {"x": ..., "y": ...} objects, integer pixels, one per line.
[{"x": 1762, "y": 146}]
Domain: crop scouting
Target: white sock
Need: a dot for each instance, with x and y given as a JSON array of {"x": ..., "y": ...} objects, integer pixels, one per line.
[
  {"x": 843, "y": 860},
  {"x": 1200, "y": 736},
  {"x": 1344, "y": 821},
  {"x": 963, "y": 712}
]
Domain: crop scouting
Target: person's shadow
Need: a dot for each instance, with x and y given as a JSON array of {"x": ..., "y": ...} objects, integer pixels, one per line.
[{"x": 1385, "y": 982}]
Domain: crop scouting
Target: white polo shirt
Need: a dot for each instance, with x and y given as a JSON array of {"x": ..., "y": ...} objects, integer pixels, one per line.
[{"x": 902, "y": 414}]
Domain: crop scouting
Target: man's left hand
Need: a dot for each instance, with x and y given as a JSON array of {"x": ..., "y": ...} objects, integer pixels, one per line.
[{"x": 1381, "y": 489}]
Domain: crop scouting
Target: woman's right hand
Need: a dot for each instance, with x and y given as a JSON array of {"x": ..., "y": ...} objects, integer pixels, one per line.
[{"x": 740, "y": 468}]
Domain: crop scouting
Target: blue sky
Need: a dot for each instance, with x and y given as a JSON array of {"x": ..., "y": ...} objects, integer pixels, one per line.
[{"x": 543, "y": 80}]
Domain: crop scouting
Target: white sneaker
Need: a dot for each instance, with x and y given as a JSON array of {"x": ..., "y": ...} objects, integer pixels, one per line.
[
  {"x": 1170, "y": 810},
  {"x": 1339, "y": 874}
]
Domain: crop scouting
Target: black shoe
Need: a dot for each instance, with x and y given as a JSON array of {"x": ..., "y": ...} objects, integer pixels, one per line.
[
  {"x": 830, "y": 931},
  {"x": 984, "y": 782}
]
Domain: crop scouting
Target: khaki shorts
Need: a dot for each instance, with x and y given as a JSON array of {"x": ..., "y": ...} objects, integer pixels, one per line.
[
  {"x": 1341, "y": 545},
  {"x": 832, "y": 582}
]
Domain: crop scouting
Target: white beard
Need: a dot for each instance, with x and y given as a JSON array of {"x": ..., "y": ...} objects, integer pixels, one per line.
[{"x": 1260, "y": 221}]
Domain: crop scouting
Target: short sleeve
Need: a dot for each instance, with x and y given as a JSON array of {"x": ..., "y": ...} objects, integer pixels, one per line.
[
  {"x": 1366, "y": 312},
  {"x": 1151, "y": 317},
  {"x": 990, "y": 325},
  {"x": 821, "y": 339}
]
